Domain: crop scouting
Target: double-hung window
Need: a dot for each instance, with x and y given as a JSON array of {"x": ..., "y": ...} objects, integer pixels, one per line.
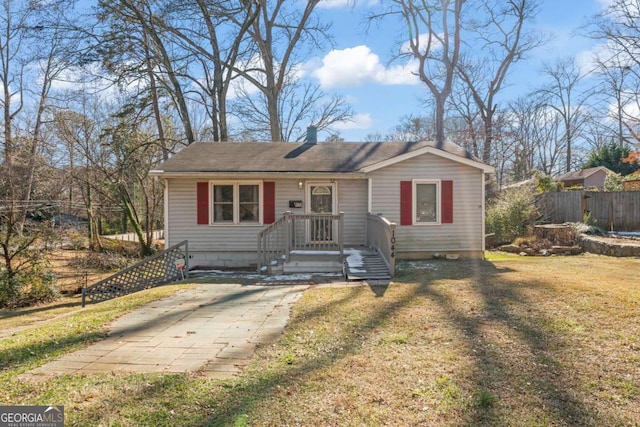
[
  {"x": 426, "y": 202},
  {"x": 236, "y": 202}
]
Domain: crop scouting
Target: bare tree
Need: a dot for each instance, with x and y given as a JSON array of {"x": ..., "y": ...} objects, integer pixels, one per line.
[
  {"x": 132, "y": 154},
  {"x": 412, "y": 128},
  {"x": 504, "y": 40},
  {"x": 79, "y": 135},
  {"x": 435, "y": 42},
  {"x": 111, "y": 149},
  {"x": 279, "y": 39},
  {"x": 538, "y": 141},
  {"x": 32, "y": 48},
  {"x": 563, "y": 95},
  {"x": 299, "y": 104},
  {"x": 469, "y": 132},
  {"x": 618, "y": 94},
  {"x": 133, "y": 47},
  {"x": 214, "y": 40},
  {"x": 619, "y": 26}
]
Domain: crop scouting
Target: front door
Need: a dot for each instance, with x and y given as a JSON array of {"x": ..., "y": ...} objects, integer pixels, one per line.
[{"x": 321, "y": 200}]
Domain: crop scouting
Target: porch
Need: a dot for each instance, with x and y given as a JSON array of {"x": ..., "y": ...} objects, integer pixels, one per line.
[{"x": 314, "y": 243}]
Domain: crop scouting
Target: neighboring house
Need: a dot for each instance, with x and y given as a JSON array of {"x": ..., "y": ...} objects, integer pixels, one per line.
[
  {"x": 230, "y": 200},
  {"x": 586, "y": 178}
]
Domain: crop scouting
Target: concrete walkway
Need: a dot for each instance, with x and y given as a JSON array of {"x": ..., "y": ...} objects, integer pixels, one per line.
[{"x": 213, "y": 329}]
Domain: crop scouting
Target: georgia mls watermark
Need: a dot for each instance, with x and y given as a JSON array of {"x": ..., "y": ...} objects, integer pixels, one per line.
[{"x": 31, "y": 416}]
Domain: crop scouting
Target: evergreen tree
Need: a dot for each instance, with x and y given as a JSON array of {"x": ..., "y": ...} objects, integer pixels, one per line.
[{"x": 611, "y": 156}]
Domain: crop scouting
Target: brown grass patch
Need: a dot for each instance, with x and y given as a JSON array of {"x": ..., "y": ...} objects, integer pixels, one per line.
[
  {"x": 515, "y": 341},
  {"x": 553, "y": 341}
]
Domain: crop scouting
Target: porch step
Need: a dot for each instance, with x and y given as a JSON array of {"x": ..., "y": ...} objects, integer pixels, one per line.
[
  {"x": 307, "y": 262},
  {"x": 365, "y": 264}
]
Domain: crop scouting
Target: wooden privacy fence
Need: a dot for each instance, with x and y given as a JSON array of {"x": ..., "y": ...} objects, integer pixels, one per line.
[{"x": 612, "y": 211}]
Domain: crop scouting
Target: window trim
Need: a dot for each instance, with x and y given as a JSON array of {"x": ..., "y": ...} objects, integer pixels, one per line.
[
  {"x": 236, "y": 203},
  {"x": 414, "y": 201}
]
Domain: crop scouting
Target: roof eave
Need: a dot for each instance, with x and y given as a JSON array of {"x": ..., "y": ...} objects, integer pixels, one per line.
[{"x": 256, "y": 174}]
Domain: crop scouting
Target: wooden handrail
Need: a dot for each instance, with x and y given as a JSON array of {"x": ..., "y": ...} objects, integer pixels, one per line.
[
  {"x": 300, "y": 232},
  {"x": 381, "y": 235}
]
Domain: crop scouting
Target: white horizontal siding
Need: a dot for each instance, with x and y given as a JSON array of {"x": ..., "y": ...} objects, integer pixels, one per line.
[
  {"x": 464, "y": 234},
  {"x": 352, "y": 200},
  {"x": 181, "y": 223}
]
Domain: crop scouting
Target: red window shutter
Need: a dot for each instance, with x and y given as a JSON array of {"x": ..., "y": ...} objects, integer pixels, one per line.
[
  {"x": 202, "y": 204},
  {"x": 446, "y": 191},
  {"x": 269, "y": 215},
  {"x": 406, "y": 202}
]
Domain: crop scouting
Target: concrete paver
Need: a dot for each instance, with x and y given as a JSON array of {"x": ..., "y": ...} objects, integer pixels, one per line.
[{"x": 213, "y": 329}]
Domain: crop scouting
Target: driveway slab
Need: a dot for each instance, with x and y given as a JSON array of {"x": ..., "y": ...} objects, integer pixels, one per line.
[{"x": 213, "y": 329}]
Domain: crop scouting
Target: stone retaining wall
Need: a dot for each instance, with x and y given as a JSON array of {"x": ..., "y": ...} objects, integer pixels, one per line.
[{"x": 600, "y": 246}]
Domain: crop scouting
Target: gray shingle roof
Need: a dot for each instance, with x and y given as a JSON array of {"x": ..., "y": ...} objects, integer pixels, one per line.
[
  {"x": 582, "y": 174},
  {"x": 337, "y": 157}
]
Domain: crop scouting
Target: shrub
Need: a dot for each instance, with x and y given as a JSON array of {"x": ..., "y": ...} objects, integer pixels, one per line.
[
  {"x": 511, "y": 215},
  {"x": 102, "y": 261},
  {"x": 40, "y": 287},
  {"x": 75, "y": 240},
  {"x": 613, "y": 182},
  {"x": 587, "y": 227},
  {"x": 9, "y": 288},
  {"x": 31, "y": 285},
  {"x": 544, "y": 183}
]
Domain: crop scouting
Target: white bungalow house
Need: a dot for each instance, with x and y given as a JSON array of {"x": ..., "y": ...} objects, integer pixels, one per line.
[{"x": 262, "y": 204}]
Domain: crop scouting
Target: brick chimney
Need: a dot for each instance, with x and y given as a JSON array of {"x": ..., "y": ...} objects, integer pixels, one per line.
[{"x": 312, "y": 135}]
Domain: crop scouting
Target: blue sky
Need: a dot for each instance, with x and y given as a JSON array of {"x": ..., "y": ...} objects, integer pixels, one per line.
[{"x": 381, "y": 93}]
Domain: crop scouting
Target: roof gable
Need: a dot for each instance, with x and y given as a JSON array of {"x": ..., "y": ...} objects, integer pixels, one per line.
[
  {"x": 324, "y": 157},
  {"x": 583, "y": 174},
  {"x": 430, "y": 150}
]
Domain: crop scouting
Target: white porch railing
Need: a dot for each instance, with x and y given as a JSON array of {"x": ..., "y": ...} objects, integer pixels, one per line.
[
  {"x": 301, "y": 234},
  {"x": 381, "y": 235}
]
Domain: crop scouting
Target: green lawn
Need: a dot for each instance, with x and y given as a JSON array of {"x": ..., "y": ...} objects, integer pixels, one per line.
[{"x": 509, "y": 341}]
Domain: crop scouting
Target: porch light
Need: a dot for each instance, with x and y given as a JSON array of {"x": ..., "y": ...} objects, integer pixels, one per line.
[{"x": 300, "y": 185}]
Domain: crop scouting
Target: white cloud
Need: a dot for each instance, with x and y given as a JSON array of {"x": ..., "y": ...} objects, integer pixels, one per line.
[
  {"x": 91, "y": 79},
  {"x": 358, "y": 65},
  {"x": 588, "y": 60},
  {"x": 358, "y": 122},
  {"x": 422, "y": 39}
]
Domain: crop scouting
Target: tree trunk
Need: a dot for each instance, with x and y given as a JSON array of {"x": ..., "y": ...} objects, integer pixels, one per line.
[
  {"x": 440, "y": 111},
  {"x": 488, "y": 136},
  {"x": 155, "y": 103},
  {"x": 91, "y": 228}
]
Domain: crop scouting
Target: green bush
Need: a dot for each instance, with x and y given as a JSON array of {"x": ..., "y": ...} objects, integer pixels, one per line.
[
  {"x": 613, "y": 182},
  {"x": 9, "y": 288},
  {"x": 31, "y": 285},
  {"x": 544, "y": 183},
  {"x": 511, "y": 215}
]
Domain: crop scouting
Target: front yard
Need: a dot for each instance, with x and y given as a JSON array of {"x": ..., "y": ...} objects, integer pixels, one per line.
[{"x": 510, "y": 341}]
